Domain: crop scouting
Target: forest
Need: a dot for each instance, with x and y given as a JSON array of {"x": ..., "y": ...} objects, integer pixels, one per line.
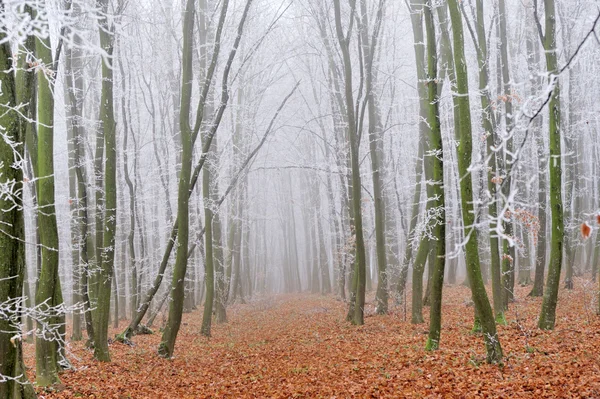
[{"x": 299, "y": 198}]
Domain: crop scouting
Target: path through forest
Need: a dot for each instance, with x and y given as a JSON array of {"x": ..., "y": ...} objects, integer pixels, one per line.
[{"x": 300, "y": 346}]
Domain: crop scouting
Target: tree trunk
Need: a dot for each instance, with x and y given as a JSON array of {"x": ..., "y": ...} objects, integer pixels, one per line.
[
  {"x": 508, "y": 250},
  {"x": 548, "y": 312},
  {"x": 49, "y": 294},
  {"x": 167, "y": 345},
  {"x": 107, "y": 260},
  {"x": 369, "y": 47},
  {"x": 437, "y": 261},
  {"x": 533, "y": 60},
  {"x": 360, "y": 273},
  {"x": 489, "y": 126},
  {"x": 480, "y": 298},
  {"x": 71, "y": 113},
  {"x": 12, "y": 262}
]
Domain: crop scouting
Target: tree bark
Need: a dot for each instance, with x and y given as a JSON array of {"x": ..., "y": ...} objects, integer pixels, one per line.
[
  {"x": 548, "y": 311},
  {"x": 12, "y": 239},
  {"x": 437, "y": 262},
  {"x": 360, "y": 265},
  {"x": 167, "y": 345},
  {"x": 480, "y": 298},
  {"x": 109, "y": 224},
  {"x": 48, "y": 294}
]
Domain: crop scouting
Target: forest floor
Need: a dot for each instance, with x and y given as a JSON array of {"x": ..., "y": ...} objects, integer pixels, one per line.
[{"x": 300, "y": 346}]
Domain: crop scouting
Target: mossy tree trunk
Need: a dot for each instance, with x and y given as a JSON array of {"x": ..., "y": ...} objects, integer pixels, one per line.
[
  {"x": 438, "y": 260},
  {"x": 167, "y": 345},
  {"x": 464, "y": 150},
  {"x": 48, "y": 292},
  {"x": 12, "y": 247},
  {"x": 489, "y": 127},
  {"x": 548, "y": 312},
  {"x": 427, "y": 243},
  {"x": 26, "y": 96},
  {"x": 416, "y": 18}
]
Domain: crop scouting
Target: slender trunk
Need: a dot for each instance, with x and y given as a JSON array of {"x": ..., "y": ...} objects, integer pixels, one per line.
[
  {"x": 220, "y": 302},
  {"x": 489, "y": 126},
  {"x": 360, "y": 273},
  {"x": 369, "y": 46},
  {"x": 548, "y": 311},
  {"x": 533, "y": 60},
  {"x": 437, "y": 261},
  {"x": 167, "y": 345},
  {"x": 71, "y": 113},
  {"x": 109, "y": 224},
  {"x": 133, "y": 281},
  {"x": 209, "y": 269},
  {"x": 480, "y": 298},
  {"x": 413, "y": 220}
]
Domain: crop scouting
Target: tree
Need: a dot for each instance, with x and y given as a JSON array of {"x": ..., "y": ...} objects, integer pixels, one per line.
[
  {"x": 209, "y": 272},
  {"x": 13, "y": 380},
  {"x": 369, "y": 47},
  {"x": 533, "y": 60},
  {"x": 49, "y": 294},
  {"x": 436, "y": 154},
  {"x": 508, "y": 249},
  {"x": 489, "y": 126},
  {"x": 107, "y": 118},
  {"x": 356, "y": 187},
  {"x": 480, "y": 298},
  {"x": 416, "y": 18},
  {"x": 548, "y": 311},
  {"x": 167, "y": 345}
]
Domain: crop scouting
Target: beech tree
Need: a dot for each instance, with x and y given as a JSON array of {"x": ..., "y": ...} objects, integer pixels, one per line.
[
  {"x": 48, "y": 294},
  {"x": 480, "y": 298},
  {"x": 13, "y": 380},
  {"x": 548, "y": 37},
  {"x": 335, "y": 158}
]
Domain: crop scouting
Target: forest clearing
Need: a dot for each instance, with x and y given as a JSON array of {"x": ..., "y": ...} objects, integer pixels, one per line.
[{"x": 300, "y": 346}]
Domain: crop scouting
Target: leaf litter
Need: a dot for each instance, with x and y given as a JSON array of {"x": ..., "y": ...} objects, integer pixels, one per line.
[{"x": 300, "y": 346}]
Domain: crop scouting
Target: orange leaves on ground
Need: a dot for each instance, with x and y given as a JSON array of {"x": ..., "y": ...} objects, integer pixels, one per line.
[{"x": 300, "y": 346}]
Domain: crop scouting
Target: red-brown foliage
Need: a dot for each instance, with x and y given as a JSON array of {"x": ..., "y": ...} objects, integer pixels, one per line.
[{"x": 295, "y": 346}]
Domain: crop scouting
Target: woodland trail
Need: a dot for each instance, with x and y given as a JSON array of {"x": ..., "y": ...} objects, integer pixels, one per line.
[{"x": 300, "y": 346}]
